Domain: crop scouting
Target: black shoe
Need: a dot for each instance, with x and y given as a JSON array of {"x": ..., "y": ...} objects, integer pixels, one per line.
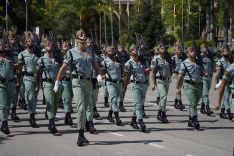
[
  {"x": 80, "y": 140},
  {"x": 133, "y": 123},
  {"x": 193, "y": 122},
  {"x": 158, "y": 100},
  {"x": 159, "y": 116},
  {"x": 203, "y": 108},
  {"x": 4, "y": 128},
  {"x": 181, "y": 106},
  {"x": 95, "y": 113},
  {"x": 142, "y": 125},
  {"x": 109, "y": 117},
  {"x": 222, "y": 114},
  {"x": 121, "y": 107},
  {"x": 118, "y": 121},
  {"x": 32, "y": 121},
  {"x": 164, "y": 117},
  {"x": 106, "y": 103},
  {"x": 14, "y": 117},
  {"x": 92, "y": 130},
  {"x": 208, "y": 111},
  {"x": 52, "y": 127},
  {"x": 176, "y": 104},
  {"x": 60, "y": 105},
  {"x": 68, "y": 119},
  {"x": 143, "y": 112},
  {"x": 229, "y": 113},
  {"x": 22, "y": 103}
]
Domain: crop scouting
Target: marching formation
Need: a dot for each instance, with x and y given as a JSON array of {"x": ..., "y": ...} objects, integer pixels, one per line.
[{"x": 64, "y": 72}]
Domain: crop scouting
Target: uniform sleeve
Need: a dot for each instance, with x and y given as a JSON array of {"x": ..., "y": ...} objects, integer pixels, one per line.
[
  {"x": 153, "y": 64},
  {"x": 182, "y": 69},
  {"x": 95, "y": 58},
  {"x": 228, "y": 75},
  {"x": 68, "y": 59},
  {"x": 218, "y": 65},
  {"x": 127, "y": 67},
  {"x": 103, "y": 65},
  {"x": 39, "y": 64},
  {"x": 20, "y": 58}
]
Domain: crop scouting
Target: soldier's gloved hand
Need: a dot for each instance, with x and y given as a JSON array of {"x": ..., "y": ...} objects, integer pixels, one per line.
[
  {"x": 56, "y": 86},
  {"x": 99, "y": 79}
]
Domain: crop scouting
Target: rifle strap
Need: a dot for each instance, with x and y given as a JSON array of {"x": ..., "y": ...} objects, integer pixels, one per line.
[{"x": 187, "y": 72}]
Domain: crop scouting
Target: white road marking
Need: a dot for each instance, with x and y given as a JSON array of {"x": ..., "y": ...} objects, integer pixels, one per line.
[
  {"x": 128, "y": 99},
  {"x": 156, "y": 145},
  {"x": 38, "y": 110},
  {"x": 117, "y": 134},
  {"x": 189, "y": 155},
  {"x": 58, "y": 116}
]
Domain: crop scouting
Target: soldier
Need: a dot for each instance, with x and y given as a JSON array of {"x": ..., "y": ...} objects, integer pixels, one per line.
[
  {"x": 67, "y": 93},
  {"x": 122, "y": 57},
  {"x": 28, "y": 61},
  {"x": 221, "y": 66},
  {"x": 157, "y": 94},
  {"x": 191, "y": 72},
  {"x": 7, "y": 87},
  {"x": 112, "y": 72},
  {"x": 136, "y": 72},
  {"x": 208, "y": 68},
  {"x": 177, "y": 60},
  {"x": 227, "y": 80},
  {"x": 48, "y": 68},
  {"x": 81, "y": 59},
  {"x": 60, "y": 104},
  {"x": 160, "y": 75}
]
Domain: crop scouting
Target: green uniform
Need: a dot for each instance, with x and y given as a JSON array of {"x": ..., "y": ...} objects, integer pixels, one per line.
[
  {"x": 192, "y": 84},
  {"x": 207, "y": 78},
  {"x": 7, "y": 88},
  {"x": 222, "y": 65},
  {"x": 162, "y": 79},
  {"x": 229, "y": 77},
  {"x": 49, "y": 69},
  {"x": 139, "y": 85},
  {"x": 81, "y": 82},
  {"x": 29, "y": 62},
  {"x": 113, "y": 82}
]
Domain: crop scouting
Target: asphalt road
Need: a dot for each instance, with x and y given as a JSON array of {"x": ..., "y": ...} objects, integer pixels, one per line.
[{"x": 216, "y": 136}]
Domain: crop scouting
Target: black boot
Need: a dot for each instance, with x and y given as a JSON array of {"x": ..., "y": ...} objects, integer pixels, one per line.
[
  {"x": 158, "y": 100},
  {"x": 106, "y": 103},
  {"x": 80, "y": 140},
  {"x": 68, "y": 119},
  {"x": 60, "y": 105},
  {"x": 52, "y": 127},
  {"x": 32, "y": 121},
  {"x": 181, "y": 106},
  {"x": 143, "y": 112},
  {"x": 133, "y": 123},
  {"x": 4, "y": 128},
  {"x": 118, "y": 121},
  {"x": 208, "y": 111},
  {"x": 164, "y": 117},
  {"x": 203, "y": 109},
  {"x": 176, "y": 104},
  {"x": 22, "y": 103},
  {"x": 222, "y": 114},
  {"x": 121, "y": 107},
  {"x": 159, "y": 116},
  {"x": 109, "y": 117},
  {"x": 95, "y": 113},
  {"x": 229, "y": 113},
  {"x": 46, "y": 115},
  {"x": 14, "y": 117},
  {"x": 92, "y": 130},
  {"x": 193, "y": 122},
  {"x": 142, "y": 125}
]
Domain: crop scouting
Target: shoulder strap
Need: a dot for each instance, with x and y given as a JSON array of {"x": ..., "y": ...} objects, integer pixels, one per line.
[
  {"x": 107, "y": 70},
  {"x": 187, "y": 71},
  {"x": 43, "y": 67}
]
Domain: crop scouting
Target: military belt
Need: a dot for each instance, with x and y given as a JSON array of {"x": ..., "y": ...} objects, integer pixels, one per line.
[
  {"x": 114, "y": 81},
  {"x": 48, "y": 80},
  {"x": 28, "y": 74},
  {"x": 139, "y": 82},
  {"x": 193, "y": 82},
  {"x": 232, "y": 96},
  {"x": 6, "y": 81},
  {"x": 162, "y": 78},
  {"x": 81, "y": 77},
  {"x": 66, "y": 79}
]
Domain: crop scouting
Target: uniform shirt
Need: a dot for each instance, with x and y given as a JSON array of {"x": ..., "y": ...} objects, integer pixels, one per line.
[
  {"x": 94, "y": 74},
  {"x": 80, "y": 65},
  {"x": 49, "y": 66},
  {"x": 136, "y": 70},
  {"x": 68, "y": 73},
  {"x": 177, "y": 62},
  {"x": 229, "y": 77},
  {"x": 6, "y": 69},
  {"x": 113, "y": 69},
  {"x": 193, "y": 69},
  {"x": 222, "y": 65},
  {"x": 207, "y": 66},
  {"x": 162, "y": 67}
]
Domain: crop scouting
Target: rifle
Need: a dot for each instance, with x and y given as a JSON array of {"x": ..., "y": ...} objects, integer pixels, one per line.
[
  {"x": 57, "y": 53},
  {"x": 37, "y": 45},
  {"x": 94, "y": 46}
]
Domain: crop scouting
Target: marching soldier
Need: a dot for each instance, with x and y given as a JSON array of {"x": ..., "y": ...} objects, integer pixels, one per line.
[
  {"x": 112, "y": 72},
  {"x": 191, "y": 72},
  {"x": 221, "y": 66},
  {"x": 136, "y": 72},
  {"x": 67, "y": 93},
  {"x": 208, "y": 68},
  {"x": 160, "y": 75},
  {"x": 81, "y": 60},
  {"x": 28, "y": 61},
  {"x": 7, "y": 87},
  {"x": 48, "y": 68},
  {"x": 177, "y": 60}
]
